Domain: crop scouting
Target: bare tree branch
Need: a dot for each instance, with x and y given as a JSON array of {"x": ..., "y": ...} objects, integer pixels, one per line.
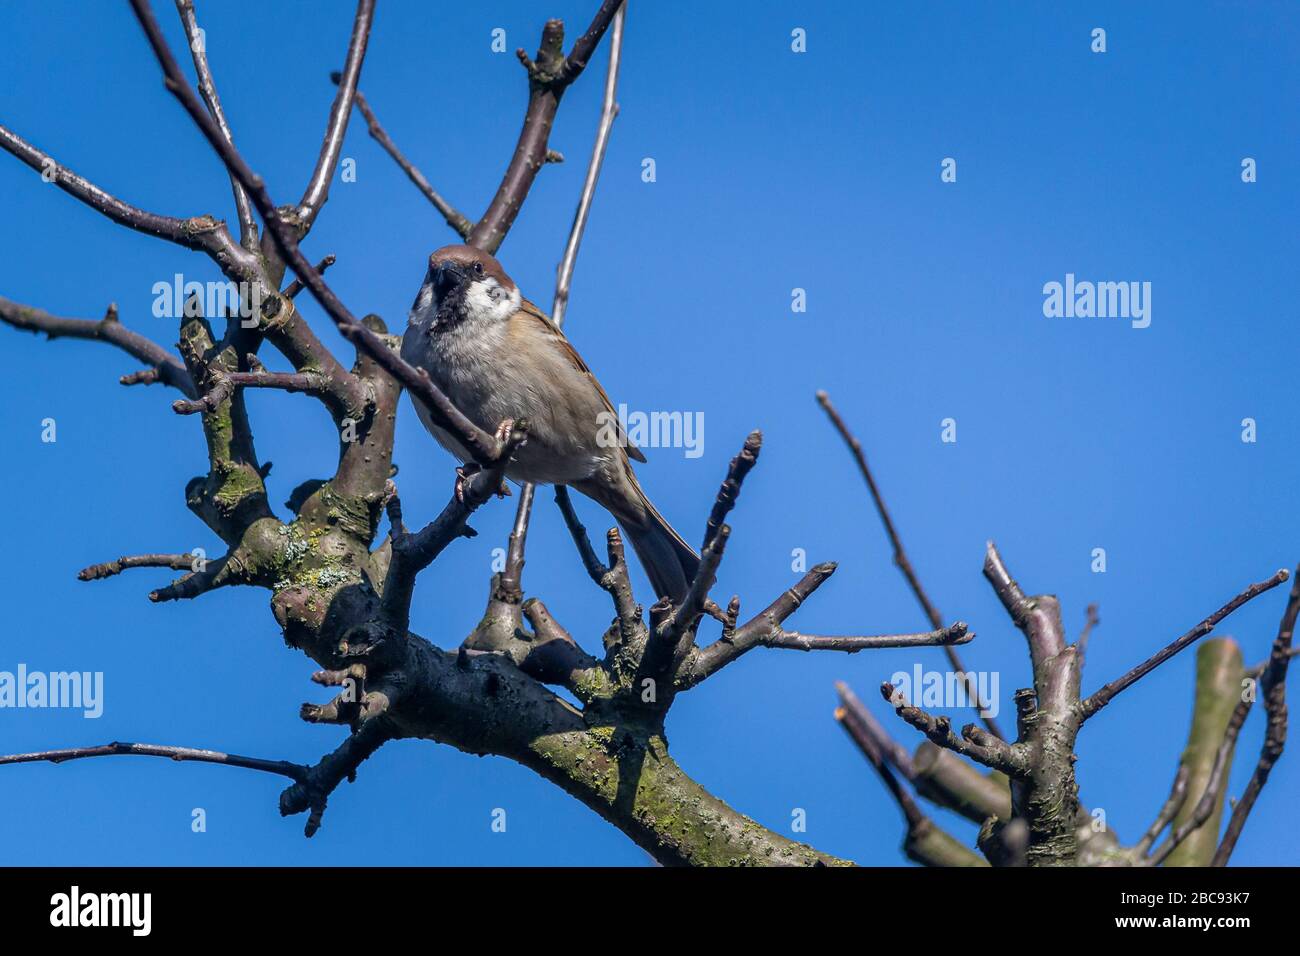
[
  {"x": 1090, "y": 623},
  {"x": 1168, "y": 810},
  {"x": 1218, "y": 691},
  {"x": 978, "y": 745},
  {"x": 166, "y": 366},
  {"x": 311, "y": 791},
  {"x": 208, "y": 90},
  {"x": 953, "y": 634},
  {"x": 293, "y": 288},
  {"x": 201, "y": 233},
  {"x": 595, "y": 570},
  {"x": 512, "y": 576},
  {"x": 1106, "y": 694},
  {"x": 924, "y": 842},
  {"x": 415, "y": 551},
  {"x": 564, "y": 273},
  {"x": 890, "y": 749},
  {"x": 1213, "y": 787},
  {"x": 318, "y": 189},
  {"x": 312, "y": 383},
  {"x": 291, "y": 770},
  {"x": 608, "y": 112},
  {"x": 97, "y": 572},
  {"x": 1273, "y": 687},
  {"x": 454, "y": 218},
  {"x": 483, "y": 446},
  {"x": 901, "y": 559},
  {"x": 548, "y": 77}
]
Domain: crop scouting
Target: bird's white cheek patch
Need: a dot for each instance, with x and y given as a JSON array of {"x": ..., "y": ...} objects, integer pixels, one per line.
[
  {"x": 423, "y": 302},
  {"x": 487, "y": 301}
]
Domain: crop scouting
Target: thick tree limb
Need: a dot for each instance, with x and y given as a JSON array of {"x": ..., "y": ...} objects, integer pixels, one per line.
[
  {"x": 940, "y": 776},
  {"x": 1212, "y": 798},
  {"x": 924, "y": 842},
  {"x": 1218, "y": 691}
]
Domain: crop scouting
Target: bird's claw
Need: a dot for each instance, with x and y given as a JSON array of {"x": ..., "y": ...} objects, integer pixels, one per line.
[
  {"x": 504, "y": 429},
  {"x": 463, "y": 475}
]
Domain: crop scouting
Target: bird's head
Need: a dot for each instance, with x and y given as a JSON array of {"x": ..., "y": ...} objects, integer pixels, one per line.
[{"x": 464, "y": 284}]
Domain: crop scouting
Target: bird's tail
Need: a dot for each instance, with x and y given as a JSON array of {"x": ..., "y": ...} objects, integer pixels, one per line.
[{"x": 670, "y": 563}]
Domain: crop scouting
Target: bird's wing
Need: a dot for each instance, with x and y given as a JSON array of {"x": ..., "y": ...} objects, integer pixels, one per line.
[{"x": 536, "y": 314}]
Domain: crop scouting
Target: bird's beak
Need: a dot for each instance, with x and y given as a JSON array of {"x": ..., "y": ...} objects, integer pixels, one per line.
[{"x": 447, "y": 275}]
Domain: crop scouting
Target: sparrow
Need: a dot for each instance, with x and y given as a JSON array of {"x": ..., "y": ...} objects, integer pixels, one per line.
[{"x": 500, "y": 359}]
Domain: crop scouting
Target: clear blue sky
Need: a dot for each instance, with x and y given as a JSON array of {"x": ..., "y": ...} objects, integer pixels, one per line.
[{"x": 775, "y": 171}]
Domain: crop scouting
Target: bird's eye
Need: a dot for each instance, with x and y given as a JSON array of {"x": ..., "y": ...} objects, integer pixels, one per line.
[{"x": 478, "y": 269}]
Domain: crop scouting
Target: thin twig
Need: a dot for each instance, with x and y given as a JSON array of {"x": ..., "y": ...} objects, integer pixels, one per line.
[
  {"x": 167, "y": 368},
  {"x": 1273, "y": 688},
  {"x": 1090, "y": 623},
  {"x": 201, "y": 233},
  {"x": 285, "y": 769},
  {"x": 595, "y": 570},
  {"x": 97, "y": 572},
  {"x": 1213, "y": 786},
  {"x": 208, "y": 90},
  {"x": 454, "y": 218},
  {"x": 901, "y": 559},
  {"x": 293, "y": 288},
  {"x": 1106, "y": 694},
  {"x": 608, "y": 112},
  {"x": 318, "y": 189}
]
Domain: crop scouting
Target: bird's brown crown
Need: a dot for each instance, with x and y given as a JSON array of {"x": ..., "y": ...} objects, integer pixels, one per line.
[{"x": 465, "y": 257}]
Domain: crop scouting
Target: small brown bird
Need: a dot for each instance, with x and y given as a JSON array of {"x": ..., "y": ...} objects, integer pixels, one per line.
[{"x": 499, "y": 358}]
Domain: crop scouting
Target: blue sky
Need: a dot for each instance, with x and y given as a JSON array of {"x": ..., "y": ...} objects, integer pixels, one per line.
[{"x": 775, "y": 171}]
